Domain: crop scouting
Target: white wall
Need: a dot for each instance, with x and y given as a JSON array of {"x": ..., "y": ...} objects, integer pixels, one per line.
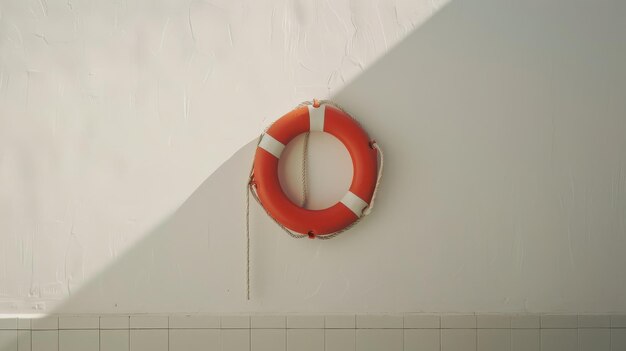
[
  {"x": 112, "y": 113},
  {"x": 503, "y": 126}
]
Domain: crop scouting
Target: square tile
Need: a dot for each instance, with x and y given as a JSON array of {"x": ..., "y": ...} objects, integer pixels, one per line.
[
  {"x": 114, "y": 340},
  {"x": 594, "y": 321},
  {"x": 235, "y": 322},
  {"x": 194, "y": 339},
  {"x": 381, "y": 321},
  {"x": 45, "y": 323},
  {"x": 268, "y": 339},
  {"x": 8, "y": 323},
  {"x": 149, "y": 340},
  {"x": 618, "y": 339},
  {"x": 422, "y": 321},
  {"x": 79, "y": 340},
  {"x": 340, "y": 321},
  {"x": 494, "y": 339},
  {"x": 559, "y": 339},
  {"x": 45, "y": 340},
  {"x": 525, "y": 322},
  {"x": 194, "y": 322},
  {"x": 305, "y": 322},
  {"x": 235, "y": 339},
  {"x": 114, "y": 322},
  {"x": 594, "y": 339},
  {"x": 458, "y": 321},
  {"x": 559, "y": 321},
  {"x": 305, "y": 339},
  {"x": 493, "y": 321},
  {"x": 268, "y": 322},
  {"x": 379, "y": 339},
  {"x": 422, "y": 339},
  {"x": 79, "y": 322},
  {"x": 149, "y": 322},
  {"x": 23, "y": 340},
  {"x": 458, "y": 339},
  {"x": 340, "y": 340},
  {"x": 525, "y": 340},
  {"x": 8, "y": 340}
]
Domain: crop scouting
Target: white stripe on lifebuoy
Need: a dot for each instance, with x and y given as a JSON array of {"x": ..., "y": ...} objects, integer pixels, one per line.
[
  {"x": 271, "y": 145},
  {"x": 354, "y": 203},
  {"x": 316, "y": 118}
]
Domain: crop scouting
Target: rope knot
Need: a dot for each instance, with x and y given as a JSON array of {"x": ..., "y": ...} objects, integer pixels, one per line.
[
  {"x": 316, "y": 103},
  {"x": 372, "y": 143},
  {"x": 311, "y": 234}
]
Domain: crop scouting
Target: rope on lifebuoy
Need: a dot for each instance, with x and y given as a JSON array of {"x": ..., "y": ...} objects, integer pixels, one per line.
[{"x": 251, "y": 189}]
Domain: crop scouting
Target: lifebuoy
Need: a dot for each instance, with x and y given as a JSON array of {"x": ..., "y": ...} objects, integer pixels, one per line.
[{"x": 264, "y": 176}]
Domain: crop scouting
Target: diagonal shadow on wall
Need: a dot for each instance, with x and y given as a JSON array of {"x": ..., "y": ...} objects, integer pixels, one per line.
[{"x": 504, "y": 130}]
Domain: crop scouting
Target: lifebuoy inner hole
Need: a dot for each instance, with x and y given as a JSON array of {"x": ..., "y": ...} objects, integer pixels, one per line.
[{"x": 329, "y": 170}]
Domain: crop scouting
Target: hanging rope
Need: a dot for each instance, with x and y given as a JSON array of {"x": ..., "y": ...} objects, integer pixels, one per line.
[{"x": 251, "y": 189}]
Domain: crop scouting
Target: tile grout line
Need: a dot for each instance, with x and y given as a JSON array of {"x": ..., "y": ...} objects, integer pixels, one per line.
[
  {"x": 476, "y": 332},
  {"x": 403, "y": 325},
  {"x": 355, "y": 331},
  {"x": 440, "y": 336}
]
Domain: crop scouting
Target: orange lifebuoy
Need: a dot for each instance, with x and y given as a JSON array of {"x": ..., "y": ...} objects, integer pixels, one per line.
[{"x": 324, "y": 118}]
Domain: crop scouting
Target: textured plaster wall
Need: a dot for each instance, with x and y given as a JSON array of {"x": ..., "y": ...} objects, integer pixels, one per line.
[
  {"x": 503, "y": 124},
  {"x": 113, "y": 112}
]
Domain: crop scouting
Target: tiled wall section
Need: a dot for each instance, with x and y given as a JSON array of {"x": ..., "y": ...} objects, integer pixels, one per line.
[{"x": 423, "y": 332}]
